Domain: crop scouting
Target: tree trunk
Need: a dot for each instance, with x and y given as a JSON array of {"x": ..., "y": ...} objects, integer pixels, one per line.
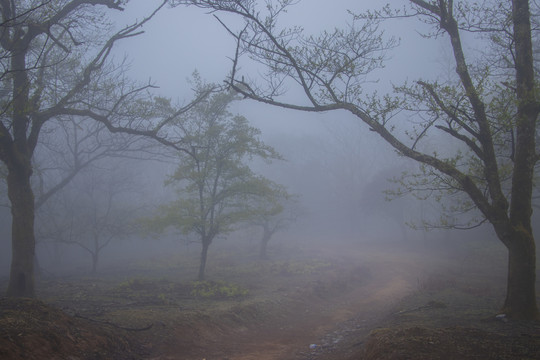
[
  {"x": 262, "y": 252},
  {"x": 21, "y": 280},
  {"x": 520, "y": 300},
  {"x": 16, "y": 154},
  {"x": 95, "y": 258},
  {"x": 38, "y": 271},
  {"x": 264, "y": 242},
  {"x": 204, "y": 253}
]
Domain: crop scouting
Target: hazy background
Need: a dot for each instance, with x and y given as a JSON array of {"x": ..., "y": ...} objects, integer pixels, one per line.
[{"x": 333, "y": 162}]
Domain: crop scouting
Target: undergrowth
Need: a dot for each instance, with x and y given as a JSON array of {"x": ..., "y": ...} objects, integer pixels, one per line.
[{"x": 217, "y": 290}]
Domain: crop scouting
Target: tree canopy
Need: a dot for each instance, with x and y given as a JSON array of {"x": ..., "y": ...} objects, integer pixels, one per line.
[
  {"x": 214, "y": 183},
  {"x": 273, "y": 211},
  {"x": 489, "y": 108}
]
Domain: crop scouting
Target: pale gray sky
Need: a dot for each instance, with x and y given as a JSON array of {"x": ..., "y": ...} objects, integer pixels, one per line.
[
  {"x": 183, "y": 39},
  {"x": 178, "y": 41}
]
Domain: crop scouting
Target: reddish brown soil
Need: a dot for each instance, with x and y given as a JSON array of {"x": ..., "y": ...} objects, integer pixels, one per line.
[
  {"x": 379, "y": 306},
  {"x": 29, "y": 329},
  {"x": 303, "y": 320}
]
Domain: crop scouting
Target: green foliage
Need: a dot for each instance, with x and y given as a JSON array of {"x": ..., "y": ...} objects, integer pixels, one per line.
[
  {"x": 217, "y": 290},
  {"x": 462, "y": 126},
  {"x": 275, "y": 208},
  {"x": 213, "y": 182}
]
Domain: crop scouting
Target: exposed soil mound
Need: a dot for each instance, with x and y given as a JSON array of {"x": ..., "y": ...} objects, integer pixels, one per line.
[
  {"x": 29, "y": 329},
  {"x": 451, "y": 343}
]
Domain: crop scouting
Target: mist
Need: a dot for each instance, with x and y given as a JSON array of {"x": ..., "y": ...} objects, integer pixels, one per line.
[
  {"x": 332, "y": 230},
  {"x": 330, "y": 160}
]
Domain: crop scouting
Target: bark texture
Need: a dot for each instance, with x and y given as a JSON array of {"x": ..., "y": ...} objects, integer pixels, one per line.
[
  {"x": 520, "y": 302},
  {"x": 21, "y": 280}
]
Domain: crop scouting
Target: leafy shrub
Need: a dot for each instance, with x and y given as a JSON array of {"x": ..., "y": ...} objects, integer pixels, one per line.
[{"x": 217, "y": 290}]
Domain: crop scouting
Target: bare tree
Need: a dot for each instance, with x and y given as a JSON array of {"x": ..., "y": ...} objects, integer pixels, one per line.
[
  {"x": 72, "y": 144},
  {"x": 496, "y": 156},
  {"x": 54, "y": 62},
  {"x": 92, "y": 212}
]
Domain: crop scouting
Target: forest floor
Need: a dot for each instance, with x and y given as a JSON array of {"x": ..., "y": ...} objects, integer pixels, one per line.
[{"x": 327, "y": 304}]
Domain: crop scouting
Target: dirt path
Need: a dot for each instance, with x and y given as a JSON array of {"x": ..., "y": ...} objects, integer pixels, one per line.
[
  {"x": 319, "y": 306},
  {"x": 310, "y": 308},
  {"x": 328, "y": 327}
]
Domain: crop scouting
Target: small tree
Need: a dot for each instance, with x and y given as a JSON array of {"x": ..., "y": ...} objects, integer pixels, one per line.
[
  {"x": 274, "y": 212},
  {"x": 213, "y": 181},
  {"x": 91, "y": 213},
  {"x": 490, "y": 108}
]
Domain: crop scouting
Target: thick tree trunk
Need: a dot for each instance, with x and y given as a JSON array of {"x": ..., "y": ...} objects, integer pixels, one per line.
[
  {"x": 520, "y": 300},
  {"x": 202, "y": 265},
  {"x": 16, "y": 153},
  {"x": 21, "y": 280}
]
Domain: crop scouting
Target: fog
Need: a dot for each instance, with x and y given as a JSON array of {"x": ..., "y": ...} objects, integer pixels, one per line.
[
  {"x": 208, "y": 186},
  {"x": 335, "y": 164},
  {"x": 337, "y": 167}
]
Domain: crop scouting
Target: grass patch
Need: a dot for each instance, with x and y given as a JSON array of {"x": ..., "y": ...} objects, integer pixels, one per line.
[{"x": 217, "y": 290}]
